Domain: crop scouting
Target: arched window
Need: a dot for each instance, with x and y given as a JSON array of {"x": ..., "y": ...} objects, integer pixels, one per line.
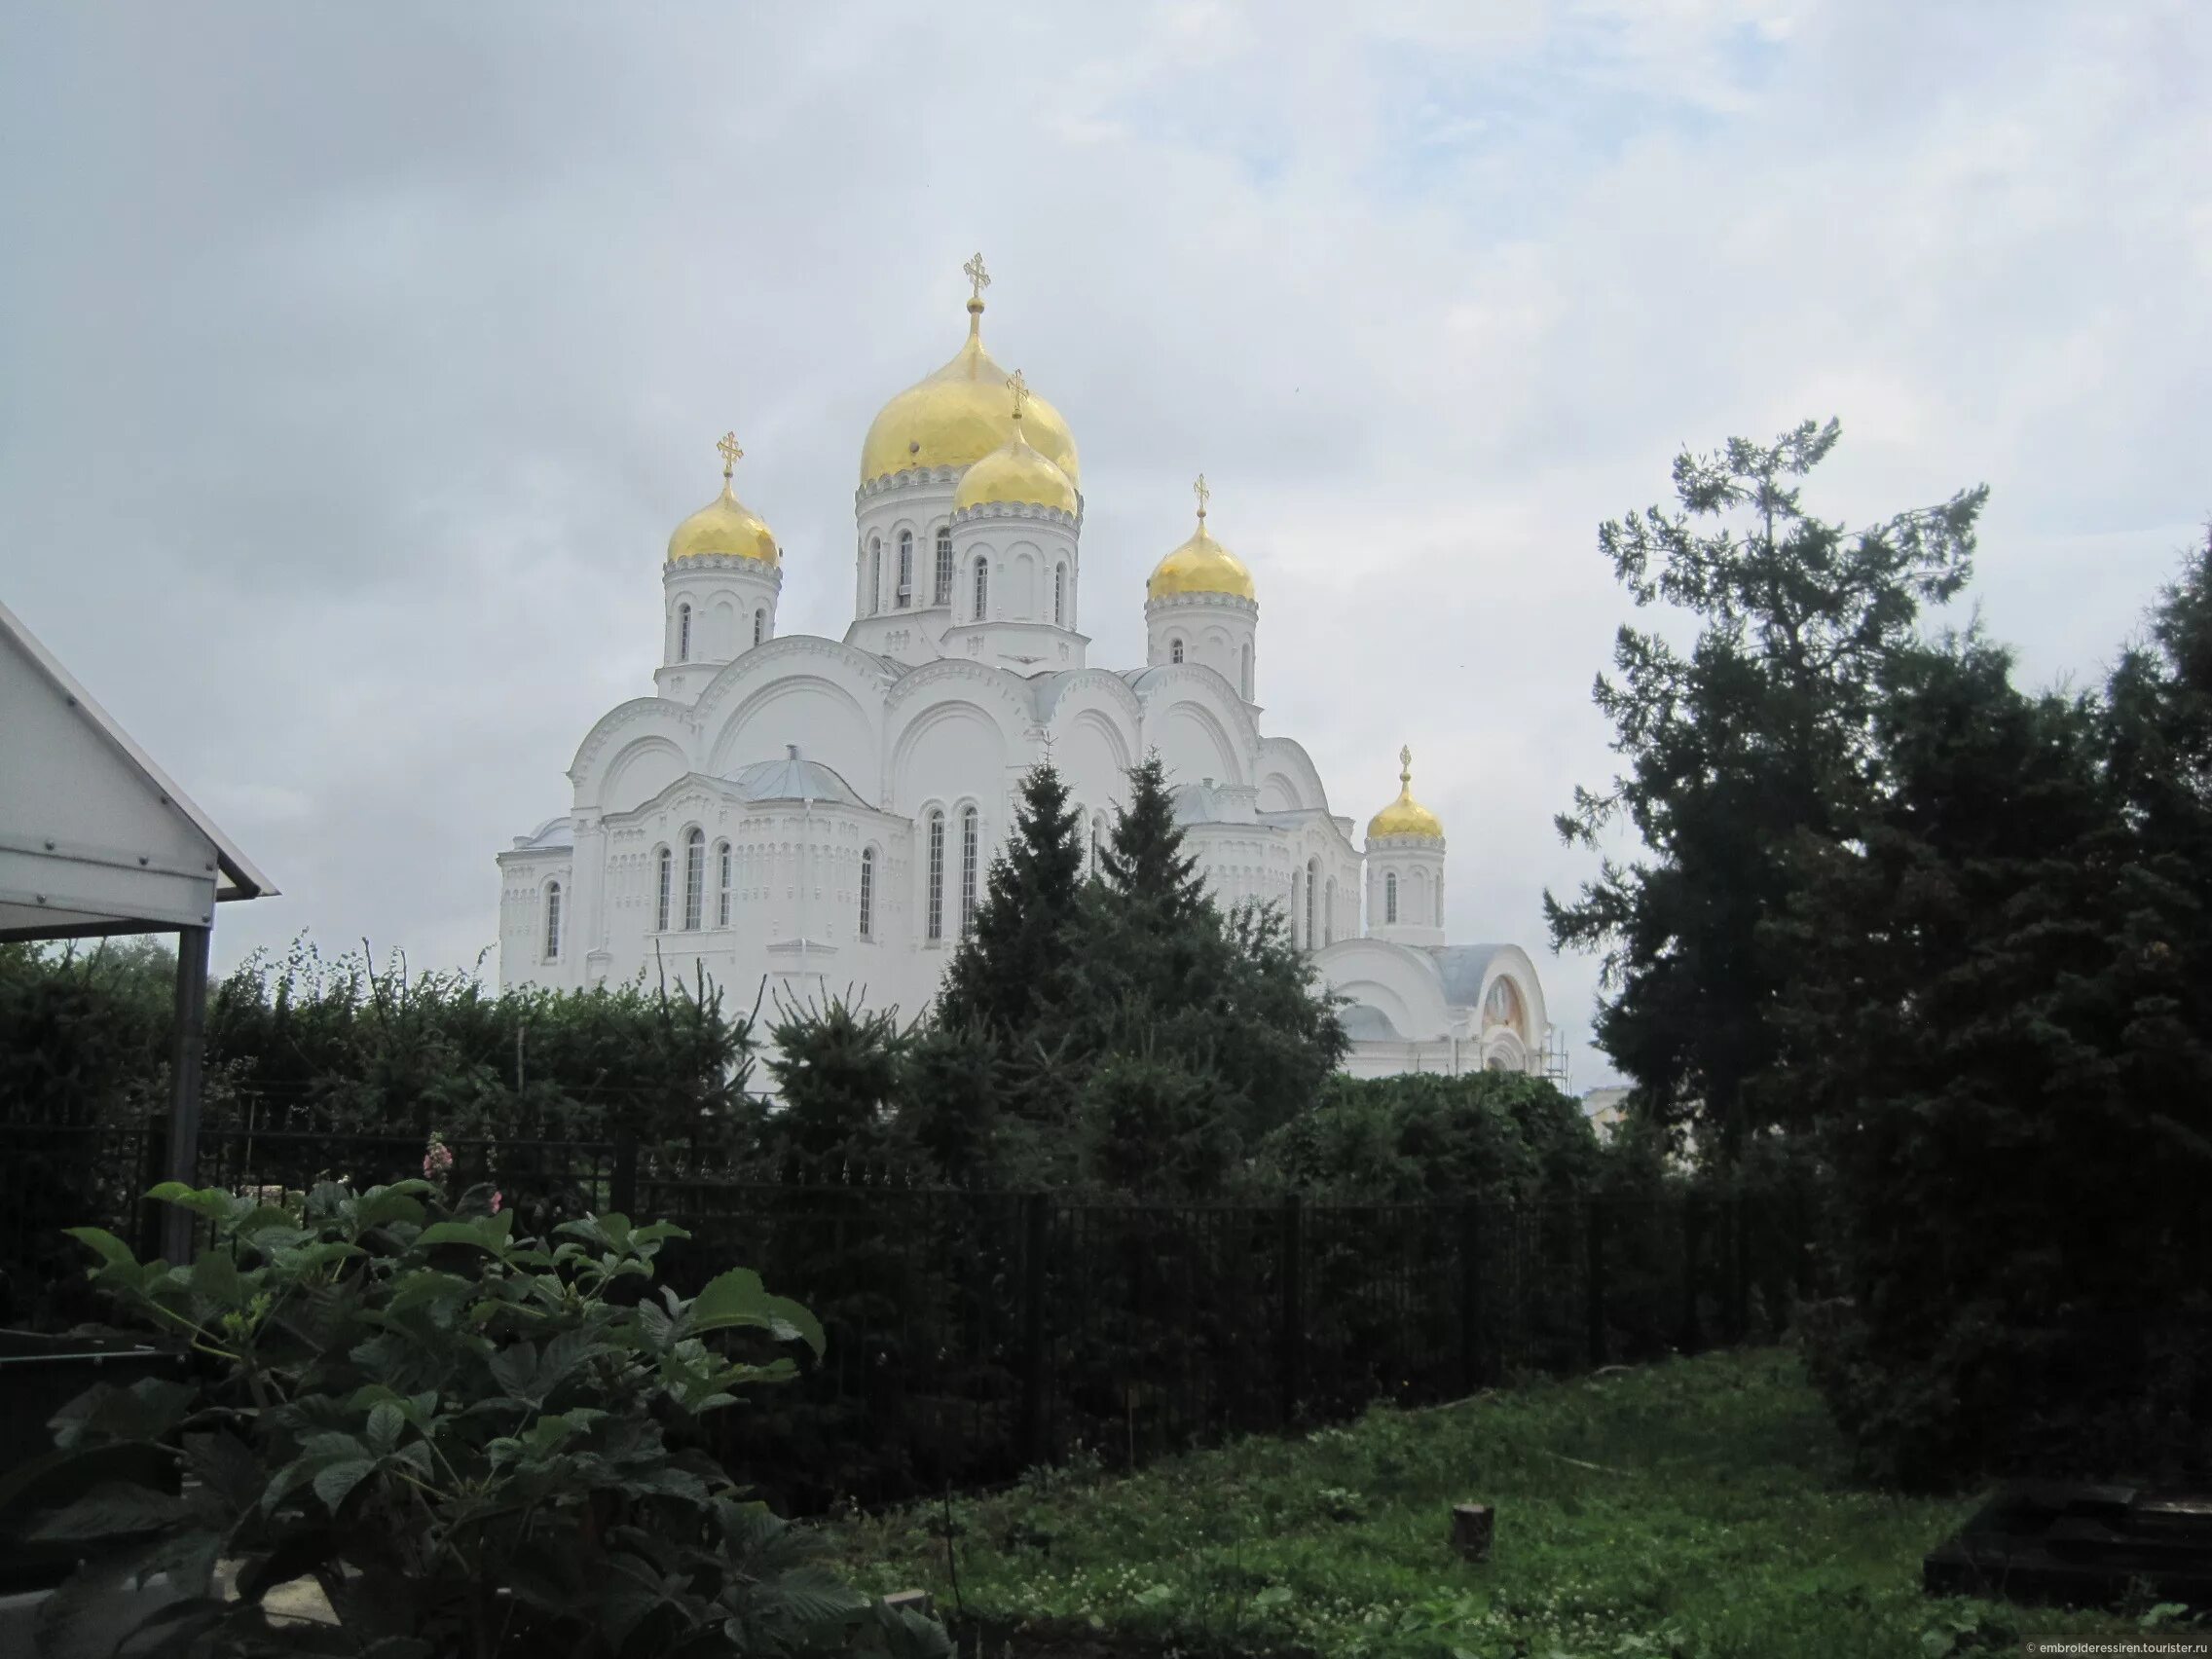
[
  {"x": 1390, "y": 896},
  {"x": 982, "y": 587},
  {"x": 1312, "y": 881},
  {"x": 1503, "y": 1005},
  {"x": 868, "y": 892},
  {"x": 874, "y": 574},
  {"x": 906, "y": 595},
  {"x": 944, "y": 589},
  {"x": 936, "y": 866},
  {"x": 683, "y": 633},
  {"x": 760, "y": 624},
  {"x": 1174, "y": 650},
  {"x": 723, "y": 863},
  {"x": 1059, "y": 594},
  {"x": 694, "y": 877},
  {"x": 665, "y": 879},
  {"x": 1329, "y": 914},
  {"x": 1247, "y": 674},
  {"x": 969, "y": 835},
  {"x": 552, "y": 921}
]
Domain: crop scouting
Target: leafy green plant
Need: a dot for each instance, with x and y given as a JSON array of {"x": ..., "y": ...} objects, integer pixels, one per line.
[{"x": 462, "y": 1437}]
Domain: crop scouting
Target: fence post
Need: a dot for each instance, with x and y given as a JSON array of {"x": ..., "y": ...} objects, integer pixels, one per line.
[
  {"x": 622, "y": 1184},
  {"x": 1470, "y": 1296},
  {"x": 1691, "y": 1338},
  {"x": 1293, "y": 1308},
  {"x": 153, "y": 1168},
  {"x": 1593, "y": 1277},
  {"x": 1036, "y": 1234}
]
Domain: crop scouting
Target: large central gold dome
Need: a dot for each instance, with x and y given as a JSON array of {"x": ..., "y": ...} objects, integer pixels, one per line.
[{"x": 960, "y": 414}]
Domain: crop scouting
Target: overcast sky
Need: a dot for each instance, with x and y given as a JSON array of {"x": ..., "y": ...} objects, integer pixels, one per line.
[{"x": 355, "y": 362}]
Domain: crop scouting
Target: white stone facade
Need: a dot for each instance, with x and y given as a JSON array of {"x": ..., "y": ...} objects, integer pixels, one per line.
[{"x": 801, "y": 814}]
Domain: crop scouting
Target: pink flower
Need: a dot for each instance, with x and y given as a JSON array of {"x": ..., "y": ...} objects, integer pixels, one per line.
[
  {"x": 438, "y": 1160},
  {"x": 495, "y": 1202}
]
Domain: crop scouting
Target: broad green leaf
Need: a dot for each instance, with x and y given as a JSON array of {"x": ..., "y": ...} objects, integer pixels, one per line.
[
  {"x": 736, "y": 1299},
  {"x": 486, "y": 1232},
  {"x": 115, "y": 1506},
  {"x": 385, "y": 1421},
  {"x": 113, "y": 1251},
  {"x": 215, "y": 1276},
  {"x": 513, "y": 1368},
  {"x": 380, "y": 1206},
  {"x": 334, "y": 1483},
  {"x": 210, "y": 1202}
]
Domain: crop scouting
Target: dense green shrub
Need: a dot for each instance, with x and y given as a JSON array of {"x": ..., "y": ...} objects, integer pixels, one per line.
[{"x": 461, "y": 1436}]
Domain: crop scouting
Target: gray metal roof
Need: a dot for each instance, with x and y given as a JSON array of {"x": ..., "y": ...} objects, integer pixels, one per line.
[
  {"x": 794, "y": 778},
  {"x": 1365, "y": 1023},
  {"x": 1466, "y": 968}
]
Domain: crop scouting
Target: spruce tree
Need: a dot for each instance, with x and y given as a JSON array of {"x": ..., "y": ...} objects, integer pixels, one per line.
[
  {"x": 1012, "y": 965},
  {"x": 1144, "y": 861}
]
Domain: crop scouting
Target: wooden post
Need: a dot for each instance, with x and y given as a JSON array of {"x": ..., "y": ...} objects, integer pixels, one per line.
[
  {"x": 153, "y": 1170},
  {"x": 1593, "y": 1277},
  {"x": 1473, "y": 1527},
  {"x": 1293, "y": 1308},
  {"x": 185, "y": 1046},
  {"x": 1470, "y": 1296},
  {"x": 1036, "y": 1232}
]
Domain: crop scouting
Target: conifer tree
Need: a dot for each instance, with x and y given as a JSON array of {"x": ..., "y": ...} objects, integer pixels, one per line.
[
  {"x": 1144, "y": 861},
  {"x": 1757, "y": 736},
  {"x": 1012, "y": 965}
]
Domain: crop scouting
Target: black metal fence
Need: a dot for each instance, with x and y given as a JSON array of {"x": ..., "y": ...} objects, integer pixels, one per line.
[{"x": 973, "y": 1333}]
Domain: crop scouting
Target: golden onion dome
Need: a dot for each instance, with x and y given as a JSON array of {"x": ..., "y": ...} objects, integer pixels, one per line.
[
  {"x": 958, "y": 416},
  {"x": 1404, "y": 816},
  {"x": 1201, "y": 564},
  {"x": 726, "y": 524},
  {"x": 1015, "y": 472}
]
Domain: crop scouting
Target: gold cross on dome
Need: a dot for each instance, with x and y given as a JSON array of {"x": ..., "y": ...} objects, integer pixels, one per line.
[
  {"x": 1021, "y": 390},
  {"x": 1204, "y": 493},
  {"x": 975, "y": 273},
  {"x": 1406, "y": 765},
  {"x": 732, "y": 454}
]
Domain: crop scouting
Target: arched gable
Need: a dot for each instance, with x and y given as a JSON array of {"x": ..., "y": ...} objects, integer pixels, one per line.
[
  {"x": 619, "y": 729},
  {"x": 1399, "y": 982},
  {"x": 640, "y": 770},
  {"x": 1284, "y": 760},
  {"x": 1198, "y": 724},
  {"x": 952, "y": 728}
]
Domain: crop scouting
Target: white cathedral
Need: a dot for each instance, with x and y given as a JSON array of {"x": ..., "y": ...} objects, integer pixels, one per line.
[{"x": 805, "y": 815}]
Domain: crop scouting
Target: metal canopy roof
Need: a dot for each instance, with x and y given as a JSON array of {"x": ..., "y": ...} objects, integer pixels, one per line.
[{"x": 94, "y": 838}]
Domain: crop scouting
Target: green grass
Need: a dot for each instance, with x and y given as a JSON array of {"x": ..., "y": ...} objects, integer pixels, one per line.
[{"x": 1701, "y": 1507}]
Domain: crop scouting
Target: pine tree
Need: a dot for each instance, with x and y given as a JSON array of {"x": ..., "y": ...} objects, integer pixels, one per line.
[
  {"x": 1754, "y": 738},
  {"x": 1012, "y": 965}
]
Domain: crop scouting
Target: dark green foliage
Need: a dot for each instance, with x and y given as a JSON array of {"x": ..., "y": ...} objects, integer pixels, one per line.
[
  {"x": 838, "y": 1069},
  {"x": 1123, "y": 1033},
  {"x": 2002, "y": 1003},
  {"x": 345, "y": 1046},
  {"x": 1406, "y": 1139},
  {"x": 1755, "y": 736},
  {"x": 84, "y": 1029},
  {"x": 457, "y": 1435},
  {"x": 1144, "y": 861},
  {"x": 1011, "y": 968},
  {"x": 1153, "y": 1126}
]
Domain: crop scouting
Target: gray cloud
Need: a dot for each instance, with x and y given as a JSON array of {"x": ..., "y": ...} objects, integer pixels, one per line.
[{"x": 354, "y": 364}]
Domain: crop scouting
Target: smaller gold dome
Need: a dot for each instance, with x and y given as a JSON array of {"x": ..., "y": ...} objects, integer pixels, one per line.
[
  {"x": 1404, "y": 816},
  {"x": 1015, "y": 473},
  {"x": 1201, "y": 564},
  {"x": 726, "y": 524}
]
